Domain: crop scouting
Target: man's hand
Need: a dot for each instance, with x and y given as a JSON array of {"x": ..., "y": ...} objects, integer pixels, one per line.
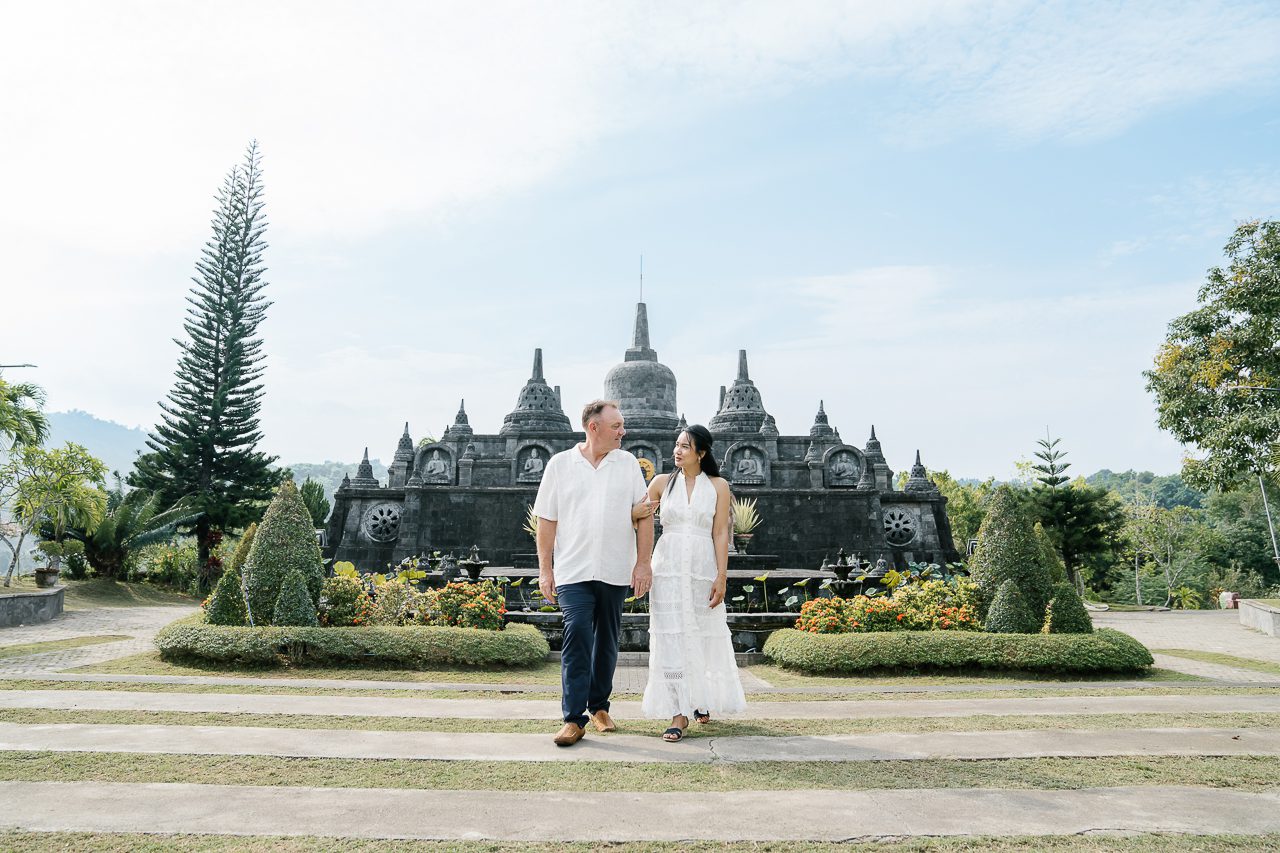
[
  {"x": 547, "y": 584},
  {"x": 641, "y": 578},
  {"x": 717, "y": 591}
]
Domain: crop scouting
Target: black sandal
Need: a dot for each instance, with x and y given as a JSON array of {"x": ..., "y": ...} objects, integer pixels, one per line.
[
  {"x": 701, "y": 716},
  {"x": 675, "y": 734}
]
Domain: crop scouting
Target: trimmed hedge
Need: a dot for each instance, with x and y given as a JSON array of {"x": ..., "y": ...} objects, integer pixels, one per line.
[
  {"x": 1009, "y": 613},
  {"x": 1008, "y": 549},
  {"x": 410, "y": 647},
  {"x": 285, "y": 541},
  {"x": 1065, "y": 613},
  {"x": 1105, "y": 650},
  {"x": 294, "y": 606}
]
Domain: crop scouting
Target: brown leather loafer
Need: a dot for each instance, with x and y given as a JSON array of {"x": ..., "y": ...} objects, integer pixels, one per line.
[
  {"x": 603, "y": 722},
  {"x": 570, "y": 734}
]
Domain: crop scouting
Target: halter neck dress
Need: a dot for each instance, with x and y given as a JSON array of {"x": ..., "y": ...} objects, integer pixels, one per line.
[{"x": 691, "y": 662}]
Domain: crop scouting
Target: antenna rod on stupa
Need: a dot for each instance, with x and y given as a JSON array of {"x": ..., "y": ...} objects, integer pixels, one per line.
[
  {"x": 537, "y": 364},
  {"x": 642, "y": 277},
  {"x": 742, "y": 364}
]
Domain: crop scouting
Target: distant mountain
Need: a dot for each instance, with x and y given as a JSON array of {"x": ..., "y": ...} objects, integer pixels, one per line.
[
  {"x": 115, "y": 444},
  {"x": 330, "y": 474}
]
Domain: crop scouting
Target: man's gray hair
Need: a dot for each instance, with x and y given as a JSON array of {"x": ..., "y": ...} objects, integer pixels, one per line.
[{"x": 593, "y": 409}]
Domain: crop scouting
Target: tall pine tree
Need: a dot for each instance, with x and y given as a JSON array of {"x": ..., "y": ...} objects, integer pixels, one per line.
[{"x": 204, "y": 447}]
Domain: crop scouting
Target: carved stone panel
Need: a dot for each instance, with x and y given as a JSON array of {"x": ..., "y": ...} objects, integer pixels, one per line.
[
  {"x": 844, "y": 467},
  {"x": 531, "y": 461},
  {"x": 381, "y": 522},
  {"x": 747, "y": 465},
  {"x": 435, "y": 465},
  {"x": 901, "y": 524}
]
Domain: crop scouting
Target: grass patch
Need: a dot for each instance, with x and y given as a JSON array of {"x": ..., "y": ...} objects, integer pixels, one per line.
[
  {"x": 722, "y": 728},
  {"x": 514, "y": 692},
  {"x": 150, "y": 663},
  {"x": 92, "y": 593},
  {"x": 84, "y": 842},
  {"x": 1224, "y": 659},
  {"x": 93, "y": 842},
  {"x": 779, "y": 677},
  {"x": 57, "y": 645},
  {"x": 1238, "y": 772}
]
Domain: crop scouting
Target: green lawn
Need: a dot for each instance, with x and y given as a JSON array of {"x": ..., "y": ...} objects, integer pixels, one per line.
[
  {"x": 98, "y": 592},
  {"x": 57, "y": 645},
  {"x": 785, "y": 727},
  {"x": 90, "y": 842},
  {"x": 1224, "y": 659}
]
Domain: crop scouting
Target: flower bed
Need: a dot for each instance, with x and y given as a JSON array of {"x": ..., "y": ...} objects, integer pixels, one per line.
[
  {"x": 928, "y": 606},
  {"x": 1104, "y": 651},
  {"x": 409, "y": 646}
]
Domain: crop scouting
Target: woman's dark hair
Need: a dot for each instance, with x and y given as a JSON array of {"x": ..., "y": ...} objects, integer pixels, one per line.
[{"x": 701, "y": 439}]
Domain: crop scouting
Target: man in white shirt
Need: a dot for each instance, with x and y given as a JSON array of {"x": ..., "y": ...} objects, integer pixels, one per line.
[{"x": 587, "y": 556}]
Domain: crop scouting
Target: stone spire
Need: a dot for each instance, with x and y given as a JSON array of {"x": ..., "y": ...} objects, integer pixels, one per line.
[
  {"x": 683, "y": 425},
  {"x": 364, "y": 473},
  {"x": 644, "y": 387},
  {"x": 769, "y": 427},
  {"x": 919, "y": 480},
  {"x": 402, "y": 463},
  {"x": 741, "y": 409},
  {"x": 460, "y": 428},
  {"x": 876, "y": 466},
  {"x": 537, "y": 408},
  {"x": 820, "y": 428}
]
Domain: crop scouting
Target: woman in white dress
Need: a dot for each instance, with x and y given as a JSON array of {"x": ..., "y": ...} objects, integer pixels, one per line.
[{"x": 692, "y": 670}]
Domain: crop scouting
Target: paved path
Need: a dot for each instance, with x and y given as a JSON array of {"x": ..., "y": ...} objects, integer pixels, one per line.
[
  {"x": 453, "y": 746},
  {"x": 676, "y": 816},
  {"x": 139, "y": 623},
  {"x": 1202, "y": 630},
  {"x": 539, "y": 709}
]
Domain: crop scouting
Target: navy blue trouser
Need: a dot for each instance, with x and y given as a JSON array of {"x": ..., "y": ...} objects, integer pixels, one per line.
[{"x": 592, "y": 624}]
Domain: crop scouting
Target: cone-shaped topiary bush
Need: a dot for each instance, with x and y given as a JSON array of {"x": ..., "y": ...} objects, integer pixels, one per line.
[
  {"x": 1049, "y": 557},
  {"x": 284, "y": 542},
  {"x": 1009, "y": 613},
  {"x": 294, "y": 606},
  {"x": 242, "y": 548},
  {"x": 226, "y": 605},
  {"x": 1065, "y": 613},
  {"x": 1008, "y": 550}
]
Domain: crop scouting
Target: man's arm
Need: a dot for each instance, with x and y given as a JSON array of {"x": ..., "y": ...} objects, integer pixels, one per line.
[
  {"x": 642, "y": 574},
  {"x": 546, "y": 552}
]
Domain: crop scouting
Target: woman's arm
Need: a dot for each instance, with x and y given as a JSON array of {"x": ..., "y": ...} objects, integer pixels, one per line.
[
  {"x": 648, "y": 506},
  {"x": 720, "y": 536}
]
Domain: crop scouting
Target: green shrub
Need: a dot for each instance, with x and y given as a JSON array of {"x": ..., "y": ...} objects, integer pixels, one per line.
[
  {"x": 1009, "y": 613},
  {"x": 242, "y": 548},
  {"x": 173, "y": 566},
  {"x": 394, "y": 603},
  {"x": 344, "y": 603},
  {"x": 1049, "y": 557},
  {"x": 284, "y": 542},
  {"x": 226, "y": 605},
  {"x": 825, "y": 616},
  {"x": 1104, "y": 651},
  {"x": 411, "y": 646},
  {"x": 1007, "y": 549},
  {"x": 467, "y": 605},
  {"x": 294, "y": 606},
  {"x": 1065, "y": 613}
]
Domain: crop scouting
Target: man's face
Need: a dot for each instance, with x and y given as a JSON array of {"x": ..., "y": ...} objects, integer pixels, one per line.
[{"x": 608, "y": 427}]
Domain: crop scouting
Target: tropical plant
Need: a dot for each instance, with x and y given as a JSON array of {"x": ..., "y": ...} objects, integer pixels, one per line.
[
  {"x": 531, "y": 523},
  {"x": 54, "y": 490},
  {"x": 467, "y": 605},
  {"x": 22, "y": 421},
  {"x": 345, "y": 602},
  {"x": 131, "y": 522},
  {"x": 746, "y": 517},
  {"x": 825, "y": 616},
  {"x": 1186, "y": 598},
  {"x": 203, "y": 450},
  {"x": 285, "y": 542}
]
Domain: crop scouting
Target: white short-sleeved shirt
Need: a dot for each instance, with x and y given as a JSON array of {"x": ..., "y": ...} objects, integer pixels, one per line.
[{"x": 592, "y": 510}]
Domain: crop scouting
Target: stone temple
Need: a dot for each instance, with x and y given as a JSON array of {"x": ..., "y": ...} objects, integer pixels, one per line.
[{"x": 815, "y": 494}]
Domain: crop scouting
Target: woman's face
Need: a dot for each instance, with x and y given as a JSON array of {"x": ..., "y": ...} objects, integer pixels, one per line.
[{"x": 685, "y": 454}]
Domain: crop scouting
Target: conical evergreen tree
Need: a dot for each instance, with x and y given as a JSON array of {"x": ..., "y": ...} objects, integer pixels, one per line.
[
  {"x": 226, "y": 606},
  {"x": 1066, "y": 613},
  {"x": 242, "y": 548},
  {"x": 1049, "y": 555},
  {"x": 1007, "y": 549},
  {"x": 285, "y": 542},
  {"x": 1009, "y": 612},
  {"x": 294, "y": 605},
  {"x": 204, "y": 447}
]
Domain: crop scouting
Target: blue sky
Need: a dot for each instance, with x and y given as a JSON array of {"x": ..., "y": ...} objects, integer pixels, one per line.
[{"x": 962, "y": 222}]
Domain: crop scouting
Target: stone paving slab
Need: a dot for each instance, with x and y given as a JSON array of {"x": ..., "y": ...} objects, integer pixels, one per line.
[
  {"x": 452, "y": 746},
  {"x": 630, "y": 816},
  {"x": 1216, "y": 671},
  {"x": 540, "y": 709},
  {"x": 1203, "y": 630}
]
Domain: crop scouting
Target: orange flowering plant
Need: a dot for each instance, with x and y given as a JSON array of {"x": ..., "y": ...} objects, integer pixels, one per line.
[
  {"x": 344, "y": 602},
  {"x": 929, "y": 606},
  {"x": 467, "y": 605}
]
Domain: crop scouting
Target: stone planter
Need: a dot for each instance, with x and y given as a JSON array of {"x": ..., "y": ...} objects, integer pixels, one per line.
[
  {"x": 741, "y": 541},
  {"x": 1260, "y": 617},
  {"x": 46, "y": 578},
  {"x": 30, "y": 608}
]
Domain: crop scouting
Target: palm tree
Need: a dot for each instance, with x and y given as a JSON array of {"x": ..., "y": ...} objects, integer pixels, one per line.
[
  {"x": 22, "y": 424},
  {"x": 131, "y": 522}
]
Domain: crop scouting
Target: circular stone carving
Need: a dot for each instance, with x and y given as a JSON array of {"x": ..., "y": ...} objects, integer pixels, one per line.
[
  {"x": 899, "y": 526},
  {"x": 382, "y": 522}
]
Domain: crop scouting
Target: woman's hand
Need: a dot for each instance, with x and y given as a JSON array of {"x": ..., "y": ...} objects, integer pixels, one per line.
[
  {"x": 718, "y": 587},
  {"x": 644, "y": 509}
]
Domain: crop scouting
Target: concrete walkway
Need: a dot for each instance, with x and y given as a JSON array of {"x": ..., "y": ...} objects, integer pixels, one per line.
[
  {"x": 675, "y": 816},
  {"x": 538, "y": 709},
  {"x": 141, "y": 624},
  {"x": 452, "y": 746},
  {"x": 1201, "y": 630}
]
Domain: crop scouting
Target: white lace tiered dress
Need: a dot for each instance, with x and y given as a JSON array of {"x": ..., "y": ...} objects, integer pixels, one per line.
[{"x": 691, "y": 662}]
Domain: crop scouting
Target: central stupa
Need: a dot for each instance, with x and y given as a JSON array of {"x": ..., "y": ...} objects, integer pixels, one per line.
[{"x": 644, "y": 387}]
